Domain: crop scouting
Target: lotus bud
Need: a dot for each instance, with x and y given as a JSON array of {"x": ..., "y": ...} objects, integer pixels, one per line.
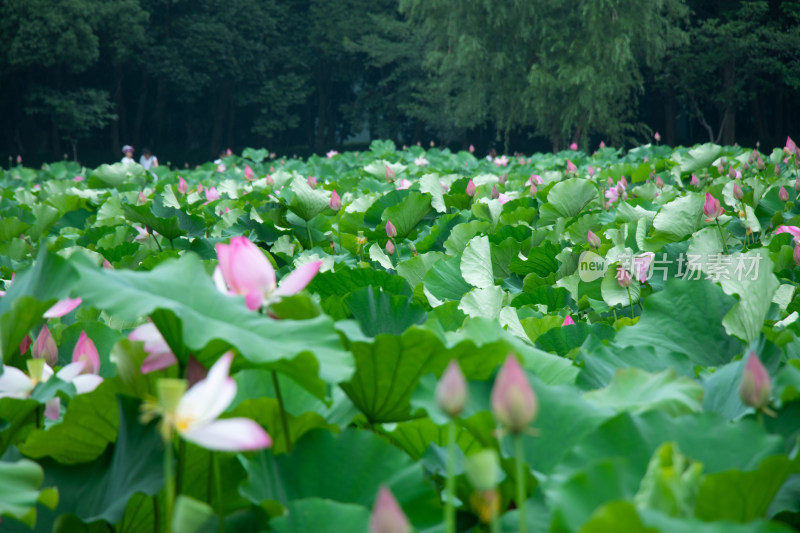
[
  {"x": 25, "y": 344},
  {"x": 738, "y": 193},
  {"x": 183, "y": 187},
  {"x": 389, "y": 247},
  {"x": 391, "y": 231},
  {"x": 521, "y": 160},
  {"x": 756, "y": 387},
  {"x": 248, "y": 173},
  {"x": 45, "y": 347},
  {"x": 336, "y": 202},
  {"x": 513, "y": 401},
  {"x": 593, "y": 239},
  {"x": 471, "y": 149},
  {"x": 657, "y": 137},
  {"x": 390, "y": 175},
  {"x": 623, "y": 183},
  {"x": 573, "y": 146},
  {"x": 195, "y": 371},
  {"x": 602, "y": 144},
  {"x": 270, "y": 181},
  {"x": 711, "y": 207},
  {"x": 452, "y": 390},
  {"x": 694, "y": 182},
  {"x": 590, "y": 171},
  {"x": 659, "y": 182},
  {"x": 720, "y": 169},
  {"x": 536, "y": 179},
  {"x": 312, "y": 182},
  {"x": 610, "y": 181},
  {"x": 86, "y": 352},
  {"x": 796, "y": 254},
  {"x": 623, "y": 277},
  {"x": 760, "y": 163},
  {"x": 777, "y": 170},
  {"x": 790, "y": 148},
  {"x": 19, "y": 159},
  {"x": 568, "y": 321},
  {"x": 199, "y": 188},
  {"x": 471, "y": 188},
  {"x": 387, "y": 516},
  {"x": 503, "y": 178},
  {"x": 495, "y": 193},
  {"x": 533, "y": 190},
  {"x": 731, "y": 172},
  {"x": 571, "y": 166},
  {"x": 783, "y": 194}
]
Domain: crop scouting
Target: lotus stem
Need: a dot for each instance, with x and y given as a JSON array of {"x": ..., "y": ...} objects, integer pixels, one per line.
[
  {"x": 284, "y": 421},
  {"x": 630, "y": 300},
  {"x": 449, "y": 507},
  {"x": 218, "y": 483},
  {"x": 520, "y": 456},
  {"x": 169, "y": 482},
  {"x": 724, "y": 244},
  {"x": 339, "y": 228}
]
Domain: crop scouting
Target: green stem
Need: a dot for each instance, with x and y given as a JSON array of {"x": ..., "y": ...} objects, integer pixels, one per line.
[
  {"x": 284, "y": 421},
  {"x": 494, "y": 525},
  {"x": 449, "y": 508},
  {"x": 630, "y": 300},
  {"x": 179, "y": 467},
  {"x": 339, "y": 228},
  {"x": 169, "y": 483},
  {"x": 157, "y": 243},
  {"x": 218, "y": 483},
  {"x": 724, "y": 244},
  {"x": 396, "y": 253},
  {"x": 519, "y": 451}
]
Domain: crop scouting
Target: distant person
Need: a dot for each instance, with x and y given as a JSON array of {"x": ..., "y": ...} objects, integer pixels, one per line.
[
  {"x": 128, "y": 151},
  {"x": 148, "y": 160}
]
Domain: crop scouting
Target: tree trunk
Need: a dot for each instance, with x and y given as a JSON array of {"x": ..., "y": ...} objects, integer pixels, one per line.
[{"x": 670, "y": 116}]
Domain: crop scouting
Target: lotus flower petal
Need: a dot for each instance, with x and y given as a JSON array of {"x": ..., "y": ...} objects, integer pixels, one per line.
[
  {"x": 62, "y": 307},
  {"x": 229, "y": 435}
]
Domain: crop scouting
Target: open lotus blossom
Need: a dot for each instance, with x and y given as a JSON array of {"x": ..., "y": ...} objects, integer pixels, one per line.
[
  {"x": 568, "y": 321},
  {"x": 793, "y": 230},
  {"x": 62, "y": 307},
  {"x": 387, "y": 516},
  {"x": 403, "y": 184},
  {"x": 612, "y": 195},
  {"x": 513, "y": 402},
  {"x": 45, "y": 347},
  {"x": 14, "y": 383},
  {"x": 535, "y": 179},
  {"x": 642, "y": 264},
  {"x": 183, "y": 187},
  {"x": 501, "y": 161},
  {"x": 452, "y": 390},
  {"x": 159, "y": 354},
  {"x": 248, "y": 173},
  {"x": 195, "y": 417},
  {"x": 244, "y": 270},
  {"x": 421, "y": 161},
  {"x": 471, "y": 188},
  {"x": 331, "y": 153},
  {"x": 85, "y": 352},
  {"x": 212, "y": 194},
  {"x": 712, "y": 208}
]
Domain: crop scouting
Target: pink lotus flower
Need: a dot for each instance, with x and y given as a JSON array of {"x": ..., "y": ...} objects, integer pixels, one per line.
[
  {"x": 62, "y": 307},
  {"x": 711, "y": 208},
  {"x": 312, "y": 182},
  {"x": 212, "y": 194},
  {"x": 403, "y": 184},
  {"x": 521, "y": 160},
  {"x": 573, "y": 146},
  {"x": 501, "y": 161},
  {"x": 389, "y": 247},
  {"x": 335, "y": 202},
  {"x": 790, "y": 147},
  {"x": 159, "y": 354},
  {"x": 387, "y": 516},
  {"x": 45, "y": 347},
  {"x": 694, "y": 181},
  {"x": 452, "y": 390},
  {"x": 641, "y": 264},
  {"x": 796, "y": 255},
  {"x": 593, "y": 239},
  {"x": 77, "y": 178},
  {"x": 471, "y": 188},
  {"x": 623, "y": 277},
  {"x": 738, "y": 193},
  {"x": 248, "y": 173},
  {"x": 756, "y": 387},
  {"x": 221, "y": 168},
  {"x": 783, "y": 194},
  {"x": 612, "y": 195},
  {"x": 270, "y": 181},
  {"x": 535, "y": 179},
  {"x": 25, "y": 345},
  {"x": 495, "y": 193},
  {"x": 513, "y": 402},
  {"x": 196, "y": 415},
  {"x": 247, "y": 272},
  {"x": 590, "y": 171},
  {"x": 471, "y": 149},
  {"x": 331, "y": 153},
  {"x": 421, "y": 161},
  {"x": 391, "y": 231},
  {"x": 657, "y": 137},
  {"x": 142, "y": 198},
  {"x": 659, "y": 182},
  {"x": 568, "y": 321},
  {"x": 793, "y": 230},
  {"x": 602, "y": 145},
  {"x": 390, "y": 175},
  {"x": 199, "y": 188},
  {"x": 760, "y": 165},
  {"x": 533, "y": 190},
  {"x": 85, "y": 352},
  {"x": 571, "y": 166},
  {"x": 183, "y": 187},
  {"x": 503, "y": 198},
  {"x": 502, "y": 179}
]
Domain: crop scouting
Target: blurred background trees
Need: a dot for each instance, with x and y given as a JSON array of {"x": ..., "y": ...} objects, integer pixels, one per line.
[{"x": 190, "y": 78}]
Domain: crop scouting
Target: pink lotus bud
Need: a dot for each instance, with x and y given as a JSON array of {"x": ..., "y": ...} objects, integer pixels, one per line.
[
  {"x": 86, "y": 352},
  {"x": 533, "y": 190},
  {"x": 623, "y": 183},
  {"x": 45, "y": 347},
  {"x": 502, "y": 179},
  {"x": 183, "y": 187},
  {"x": 390, "y": 175},
  {"x": 212, "y": 194},
  {"x": 248, "y": 173},
  {"x": 602, "y": 144},
  {"x": 610, "y": 181},
  {"x": 738, "y": 174},
  {"x": 790, "y": 148},
  {"x": 738, "y": 193},
  {"x": 568, "y": 321},
  {"x": 312, "y": 182},
  {"x": 471, "y": 188},
  {"x": 270, "y": 181},
  {"x": 720, "y": 169},
  {"x": 19, "y": 159},
  {"x": 536, "y": 179},
  {"x": 521, "y": 160},
  {"x": 387, "y": 516},
  {"x": 694, "y": 182},
  {"x": 573, "y": 146},
  {"x": 513, "y": 402},
  {"x": 107, "y": 265},
  {"x": 657, "y": 137},
  {"x": 783, "y": 194},
  {"x": 199, "y": 188},
  {"x": 590, "y": 171},
  {"x": 336, "y": 202},
  {"x": 760, "y": 165},
  {"x": 756, "y": 387},
  {"x": 571, "y": 166},
  {"x": 452, "y": 390},
  {"x": 228, "y": 152},
  {"x": 471, "y": 149},
  {"x": 389, "y": 247},
  {"x": 777, "y": 170},
  {"x": 142, "y": 198},
  {"x": 25, "y": 344},
  {"x": 731, "y": 172},
  {"x": 391, "y": 231},
  {"x": 77, "y": 178},
  {"x": 641, "y": 263},
  {"x": 623, "y": 277},
  {"x": 712, "y": 208},
  {"x": 796, "y": 254},
  {"x": 495, "y": 192},
  {"x": 593, "y": 240},
  {"x": 659, "y": 182}
]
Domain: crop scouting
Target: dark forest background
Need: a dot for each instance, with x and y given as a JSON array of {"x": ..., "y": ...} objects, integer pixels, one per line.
[{"x": 80, "y": 78}]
